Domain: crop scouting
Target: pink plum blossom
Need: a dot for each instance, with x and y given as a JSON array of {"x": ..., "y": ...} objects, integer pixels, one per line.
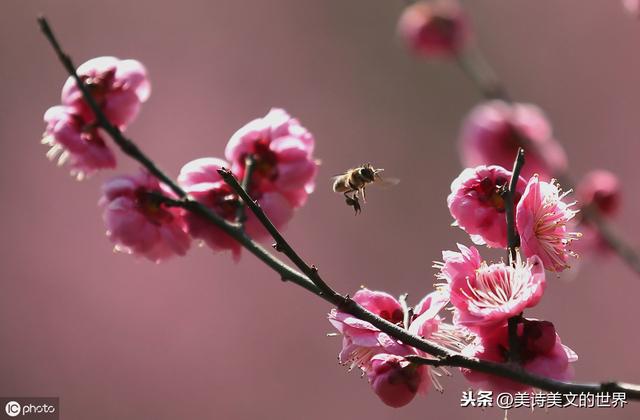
[
  {"x": 283, "y": 154},
  {"x": 137, "y": 223},
  {"x": 477, "y": 206},
  {"x": 540, "y": 352},
  {"x": 118, "y": 86},
  {"x": 541, "y": 220},
  {"x": 75, "y": 143},
  {"x": 200, "y": 179},
  {"x": 486, "y": 295},
  {"x": 381, "y": 356},
  {"x": 395, "y": 380},
  {"x": 362, "y": 340},
  {"x": 434, "y": 28},
  {"x": 494, "y": 130}
]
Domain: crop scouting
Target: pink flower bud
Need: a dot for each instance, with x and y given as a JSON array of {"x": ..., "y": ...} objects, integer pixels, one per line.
[
  {"x": 477, "y": 206},
  {"x": 494, "y": 130},
  {"x": 283, "y": 154},
  {"x": 434, "y": 28},
  {"x": 137, "y": 223},
  {"x": 396, "y": 381},
  {"x": 602, "y": 189},
  {"x": 76, "y": 143},
  {"x": 632, "y": 7},
  {"x": 119, "y": 87}
]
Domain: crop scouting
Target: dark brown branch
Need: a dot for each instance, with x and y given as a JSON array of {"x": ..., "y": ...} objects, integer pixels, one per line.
[
  {"x": 519, "y": 375},
  {"x": 311, "y": 280},
  {"x": 513, "y": 242}
]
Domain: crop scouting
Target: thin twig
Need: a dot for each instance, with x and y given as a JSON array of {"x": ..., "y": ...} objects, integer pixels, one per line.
[
  {"x": 313, "y": 283},
  {"x": 282, "y": 245}
]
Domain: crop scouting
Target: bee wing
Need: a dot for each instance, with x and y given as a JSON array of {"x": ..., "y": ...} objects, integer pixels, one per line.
[{"x": 386, "y": 182}]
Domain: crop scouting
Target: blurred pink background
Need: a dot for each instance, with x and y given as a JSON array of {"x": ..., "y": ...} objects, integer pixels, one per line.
[{"x": 202, "y": 337}]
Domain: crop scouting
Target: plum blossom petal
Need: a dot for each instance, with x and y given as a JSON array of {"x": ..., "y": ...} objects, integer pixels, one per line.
[
  {"x": 458, "y": 266},
  {"x": 76, "y": 143}
]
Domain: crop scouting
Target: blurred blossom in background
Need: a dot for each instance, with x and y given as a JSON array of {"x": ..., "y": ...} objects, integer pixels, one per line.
[{"x": 204, "y": 337}]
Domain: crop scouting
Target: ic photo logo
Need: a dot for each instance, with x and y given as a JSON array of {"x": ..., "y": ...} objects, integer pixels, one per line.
[
  {"x": 28, "y": 408},
  {"x": 12, "y": 408}
]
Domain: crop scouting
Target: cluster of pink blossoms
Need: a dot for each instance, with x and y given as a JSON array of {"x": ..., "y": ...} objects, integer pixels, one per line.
[
  {"x": 119, "y": 87},
  {"x": 483, "y": 297},
  {"x": 137, "y": 220}
]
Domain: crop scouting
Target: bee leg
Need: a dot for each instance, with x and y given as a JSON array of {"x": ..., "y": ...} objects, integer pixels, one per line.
[
  {"x": 353, "y": 202},
  {"x": 356, "y": 205},
  {"x": 364, "y": 195}
]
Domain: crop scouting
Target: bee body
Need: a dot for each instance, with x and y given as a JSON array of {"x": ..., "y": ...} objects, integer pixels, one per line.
[{"x": 354, "y": 182}]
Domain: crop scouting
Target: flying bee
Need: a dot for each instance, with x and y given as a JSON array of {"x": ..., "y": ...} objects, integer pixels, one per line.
[{"x": 355, "y": 181}]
